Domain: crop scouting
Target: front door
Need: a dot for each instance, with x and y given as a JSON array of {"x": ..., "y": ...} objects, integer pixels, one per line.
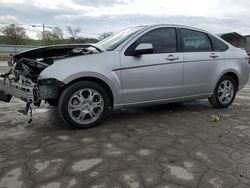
[{"x": 154, "y": 76}]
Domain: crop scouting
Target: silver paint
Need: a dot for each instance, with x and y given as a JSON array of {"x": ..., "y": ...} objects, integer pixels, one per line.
[{"x": 154, "y": 78}]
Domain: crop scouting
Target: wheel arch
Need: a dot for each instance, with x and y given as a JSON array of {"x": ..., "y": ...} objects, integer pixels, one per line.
[
  {"x": 214, "y": 98},
  {"x": 98, "y": 81},
  {"x": 234, "y": 76},
  {"x": 232, "y": 73}
]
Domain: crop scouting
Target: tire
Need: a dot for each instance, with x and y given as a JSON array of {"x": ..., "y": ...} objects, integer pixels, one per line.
[
  {"x": 52, "y": 102},
  {"x": 223, "y": 98},
  {"x": 83, "y": 104}
]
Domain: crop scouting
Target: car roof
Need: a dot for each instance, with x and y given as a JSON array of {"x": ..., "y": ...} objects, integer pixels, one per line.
[{"x": 175, "y": 25}]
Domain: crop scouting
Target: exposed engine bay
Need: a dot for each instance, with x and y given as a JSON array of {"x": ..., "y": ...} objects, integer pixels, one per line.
[
  {"x": 22, "y": 79},
  {"x": 31, "y": 63}
]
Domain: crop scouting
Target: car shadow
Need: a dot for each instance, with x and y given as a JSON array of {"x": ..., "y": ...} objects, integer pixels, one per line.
[{"x": 54, "y": 122}]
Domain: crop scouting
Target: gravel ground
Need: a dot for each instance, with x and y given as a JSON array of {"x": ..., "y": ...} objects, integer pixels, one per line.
[{"x": 173, "y": 145}]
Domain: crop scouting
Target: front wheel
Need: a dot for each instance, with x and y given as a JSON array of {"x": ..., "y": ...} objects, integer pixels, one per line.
[
  {"x": 224, "y": 92},
  {"x": 83, "y": 104}
]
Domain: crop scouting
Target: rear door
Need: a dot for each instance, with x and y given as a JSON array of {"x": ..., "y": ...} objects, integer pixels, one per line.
[{"x": 199, "y": 62}]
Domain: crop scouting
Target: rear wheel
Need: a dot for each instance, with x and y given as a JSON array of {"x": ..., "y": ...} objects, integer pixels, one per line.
[
  {"x": 83, "y": 104},
  {"x": 224, "y": 92}
]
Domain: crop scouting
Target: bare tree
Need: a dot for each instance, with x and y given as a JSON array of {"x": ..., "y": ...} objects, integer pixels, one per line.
[
  {"x": 14, "y": 34},
  {"x": 51, "y": 37},
  {"x": 73, "y": 32},
  {"x": 57, "y": 33},
  {"x": 47, "y": 37},
  {"x": 105, "y": 35}
]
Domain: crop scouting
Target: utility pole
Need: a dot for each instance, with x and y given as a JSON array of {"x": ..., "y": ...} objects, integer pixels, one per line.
[{"x": 43, "y": 31}]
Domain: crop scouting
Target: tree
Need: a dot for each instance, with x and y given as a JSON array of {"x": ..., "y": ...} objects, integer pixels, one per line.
[
  {"x": 57, "y": 33},
  {"x": 47, "y": 37},
  {"x": 14, "y": 34},
  {"x": 105, "y": 35},
  {"x": 73, "y": 32},
  {"x": 52, "y": 37},
  {"x": 86, "y": 40}
]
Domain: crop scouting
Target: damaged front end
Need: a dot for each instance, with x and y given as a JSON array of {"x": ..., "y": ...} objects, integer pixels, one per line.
[{"x": 22, "y": 81}]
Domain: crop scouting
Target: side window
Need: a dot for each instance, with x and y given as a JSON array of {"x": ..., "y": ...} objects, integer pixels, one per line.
[
  {"x": 162, "y": 39},
  {"x": 218, "y": 45},
  {"x": 195, "y": 41}
]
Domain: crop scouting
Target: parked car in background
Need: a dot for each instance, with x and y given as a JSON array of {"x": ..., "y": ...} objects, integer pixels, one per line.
[{"x": 141, "y": 65}]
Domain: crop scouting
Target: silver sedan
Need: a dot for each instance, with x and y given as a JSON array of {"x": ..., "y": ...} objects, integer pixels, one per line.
[{"x": 141, "y": 65}]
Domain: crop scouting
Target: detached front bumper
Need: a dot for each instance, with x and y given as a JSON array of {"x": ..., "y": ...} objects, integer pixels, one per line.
[
  {"x": 30, "y": 92},
  {"x": 25, "y": 92}
]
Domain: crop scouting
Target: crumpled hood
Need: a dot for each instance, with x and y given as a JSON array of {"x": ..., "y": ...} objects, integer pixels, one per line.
[
  {"x": 65, "y": 70},
  {"x": 53, "y": 51},
  {"x": 32, "y": 62}
]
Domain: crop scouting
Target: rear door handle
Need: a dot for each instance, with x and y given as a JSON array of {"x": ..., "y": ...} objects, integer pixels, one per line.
[
  {"x": 172, "y": 58},
  {"x": 213, "y": 55}
]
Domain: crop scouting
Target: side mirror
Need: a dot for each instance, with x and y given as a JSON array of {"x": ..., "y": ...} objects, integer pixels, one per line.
[{"x": 143, "y": 48}]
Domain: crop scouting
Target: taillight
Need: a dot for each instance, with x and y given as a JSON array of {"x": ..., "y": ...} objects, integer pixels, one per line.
[{"x": 247, "y": 59}]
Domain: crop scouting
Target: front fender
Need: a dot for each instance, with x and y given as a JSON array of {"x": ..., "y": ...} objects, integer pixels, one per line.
[
  {"x": 112, "y": 80},
  {"x": 101, "y": 66}
]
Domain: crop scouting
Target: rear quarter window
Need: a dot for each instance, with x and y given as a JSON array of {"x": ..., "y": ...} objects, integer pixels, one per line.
[{"x": 218, "y": 45}]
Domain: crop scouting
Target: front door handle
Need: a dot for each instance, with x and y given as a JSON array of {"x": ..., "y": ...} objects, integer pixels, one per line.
[
  {"x": 213, "y": 55},
  {"x": 172, "y": 58}
]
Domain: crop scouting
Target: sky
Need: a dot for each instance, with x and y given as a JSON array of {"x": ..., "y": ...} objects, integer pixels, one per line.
[{"x": 97, "y": 16}]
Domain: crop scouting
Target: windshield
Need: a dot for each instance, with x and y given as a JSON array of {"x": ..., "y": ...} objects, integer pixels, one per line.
[{"x": 114, "y": 41}]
